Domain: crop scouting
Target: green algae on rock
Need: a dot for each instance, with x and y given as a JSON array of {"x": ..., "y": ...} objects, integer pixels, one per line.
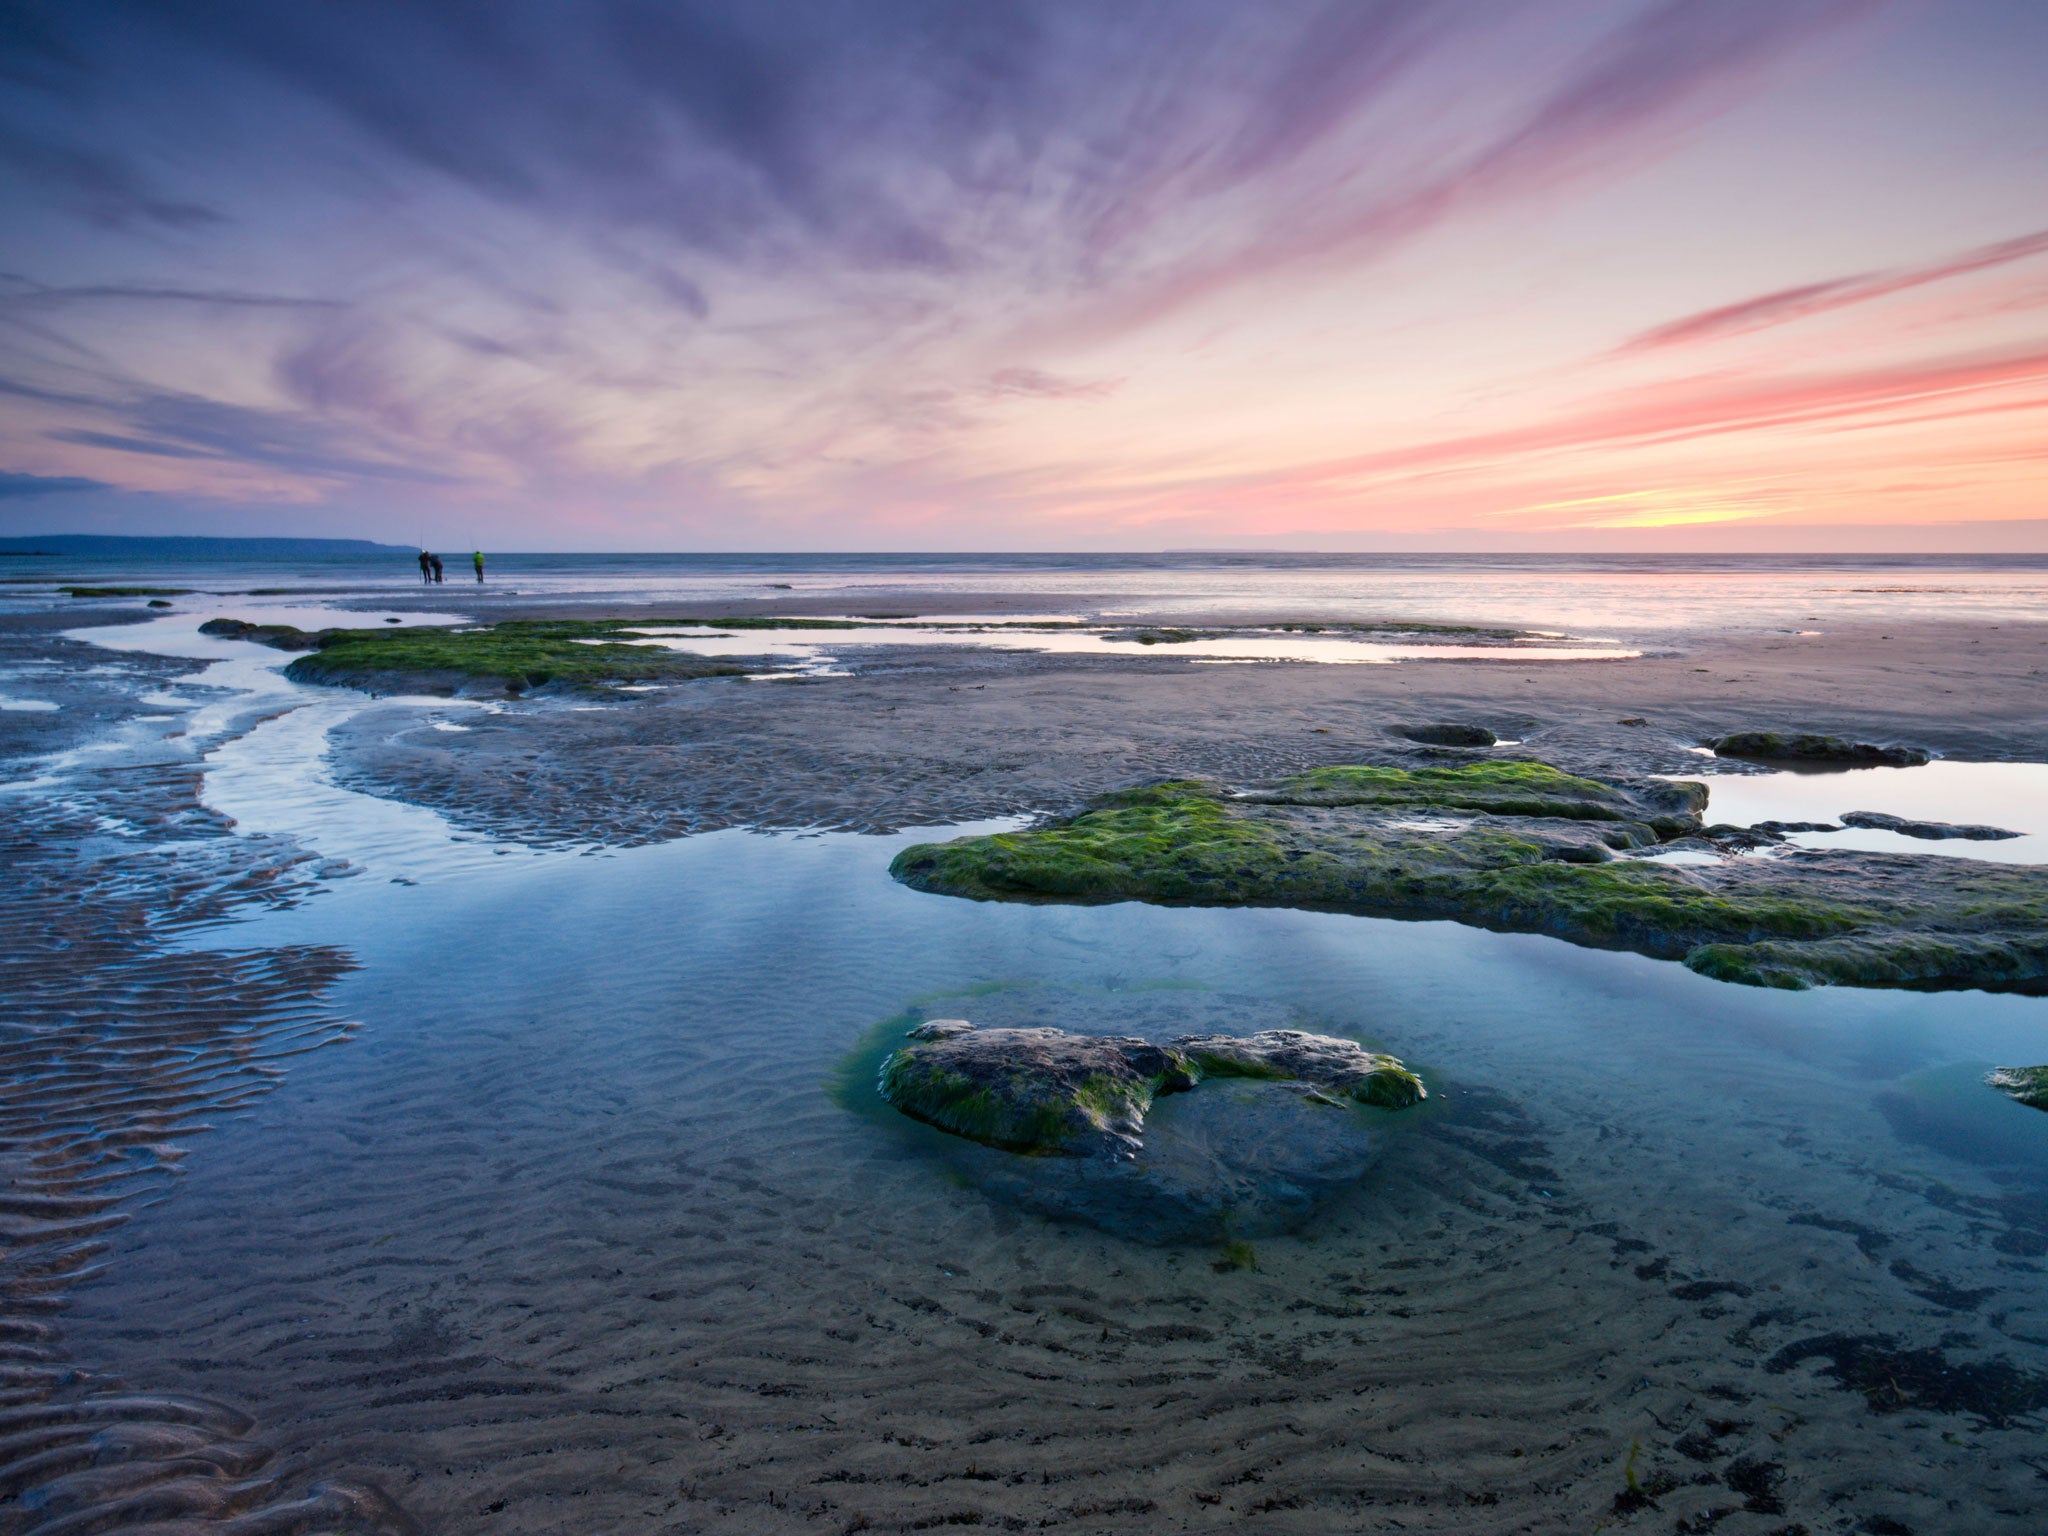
[
  {"x": 1524, "y": 847},
  {"x": 517, "y": 654},
  {"x": 1046, "y": 1092},
  {"x": 2027, "y": 1085},
  {"x": 514, "y": 655},
  {"x": 1808, "y": 747}
]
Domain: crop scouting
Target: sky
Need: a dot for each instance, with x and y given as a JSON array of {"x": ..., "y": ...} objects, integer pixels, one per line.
[{"x": 1028, "y": 274}]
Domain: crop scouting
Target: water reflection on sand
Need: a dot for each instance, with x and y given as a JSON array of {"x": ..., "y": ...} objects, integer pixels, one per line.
[
  {"x": 821, "y": 652},
  {"x": 2009, "y": 795}
]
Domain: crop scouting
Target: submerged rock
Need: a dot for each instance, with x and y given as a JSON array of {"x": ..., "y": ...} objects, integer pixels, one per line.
[
  {"x": 1032, "y": 1090},
  {"x": 1234, "y": 1161},
  {"x": 1199, "y": 1138},
  {"x": 1932, "y": 831},
  {"x": 1352, "y": 838},
  {"x": 1806, "y": 747},
  {"x": 2029, "y": 1085},
  {"x": 1448, "y": 734},
  {"x": 1044, "y": 1091}
]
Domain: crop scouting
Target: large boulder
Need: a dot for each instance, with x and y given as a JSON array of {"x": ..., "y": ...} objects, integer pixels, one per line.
[
  {"x": 1188, "y": 1138},
  {"x": 1044, "y": 1091}
]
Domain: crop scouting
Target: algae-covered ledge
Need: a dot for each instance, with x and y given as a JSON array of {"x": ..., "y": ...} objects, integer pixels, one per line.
[
  {"x": 513, "y": 656},
  {"x": 1522, "y": 846}
]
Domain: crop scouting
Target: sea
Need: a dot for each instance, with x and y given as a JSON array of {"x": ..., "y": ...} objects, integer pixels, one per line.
[{"x": 1647, "y": 593}]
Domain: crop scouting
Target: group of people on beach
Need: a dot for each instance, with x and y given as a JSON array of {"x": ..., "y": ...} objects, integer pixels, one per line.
[{"x": 430, "y": 566}]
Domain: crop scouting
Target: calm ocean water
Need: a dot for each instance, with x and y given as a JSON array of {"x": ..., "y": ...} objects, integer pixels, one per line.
[{"x": 1581, "y": 593}]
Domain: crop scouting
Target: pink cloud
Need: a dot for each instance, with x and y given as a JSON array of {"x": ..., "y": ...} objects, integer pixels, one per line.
[
  {"x": 1696, "y": 408},
  {"x": 1790, "y": 304}
]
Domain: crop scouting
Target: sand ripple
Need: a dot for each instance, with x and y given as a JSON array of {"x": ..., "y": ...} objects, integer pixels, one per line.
[{"x": 115, "y": 1048}]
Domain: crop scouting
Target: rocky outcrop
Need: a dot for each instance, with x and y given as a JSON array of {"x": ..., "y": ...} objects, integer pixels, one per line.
[
  {"x": 1506, "y": 845},
  {"x": 1806, "y": 747},
  {"x": 1931, "y": 831},
  {"x": 279, "y": 637},
  {"x": 1047, "y": 1092},
  {"x": 1449, "y": 734}
]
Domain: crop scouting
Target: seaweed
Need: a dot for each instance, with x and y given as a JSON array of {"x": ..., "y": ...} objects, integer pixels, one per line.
[
  {"x": 1891, "y": 1378},
  {"x": 520, "y": 654},
  {"x": 2024, "y": 1085},
  {"x": 1236, "y": 1254},
  {"x": 1533, "y": 853},
  {"x": 1046, "y": 1092}
]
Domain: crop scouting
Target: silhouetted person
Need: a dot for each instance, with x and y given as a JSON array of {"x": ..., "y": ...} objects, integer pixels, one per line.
[
  {"x": 435, "y": 560},
  {"x": 426, "y": 566},
  {"x": 478, "y": 557}
]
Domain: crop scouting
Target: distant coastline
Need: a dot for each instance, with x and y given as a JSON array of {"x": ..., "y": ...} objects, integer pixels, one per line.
[{"x": 191, "y": 547}]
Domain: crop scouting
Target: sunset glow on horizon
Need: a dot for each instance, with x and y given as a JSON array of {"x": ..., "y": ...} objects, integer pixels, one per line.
[{"x": 906, "y": 274}]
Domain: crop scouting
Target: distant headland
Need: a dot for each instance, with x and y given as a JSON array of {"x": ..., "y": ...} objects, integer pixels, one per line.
[{"x": 193, "y": 548}]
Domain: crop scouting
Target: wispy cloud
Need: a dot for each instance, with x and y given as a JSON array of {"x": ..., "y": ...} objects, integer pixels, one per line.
[
  {"x": 102, "y": 187},
  {"x": 1791, "y": 304},
  {"x": 24, "y": 293},
  {"x": 1688, "y": 410},
  {"x": 191, "y": 427},
  {"x": 1037, "y": 384},
  {"x": 17, "y": 487}
]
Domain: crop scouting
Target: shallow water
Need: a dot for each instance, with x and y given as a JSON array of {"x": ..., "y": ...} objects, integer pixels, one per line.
[
  {"x": 582, "y": 1232},
  {"x": 587, "y": 1152},
  {"x": 2009, "y": 795},
  {"x": 818, "y": 653},
  {"x": 1625, "y": 595}
]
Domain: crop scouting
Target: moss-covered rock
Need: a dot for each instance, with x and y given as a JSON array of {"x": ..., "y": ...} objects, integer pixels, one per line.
[
  {"x": 514, "y": 656},
  {"x": 1046, "y": 1092},
  {"x": 1807, "y": 747},
  {"x": 2029, "y": 1085},
  {"x": 1340, "y": 1067},
  {"x": 1506, "y": 846}
]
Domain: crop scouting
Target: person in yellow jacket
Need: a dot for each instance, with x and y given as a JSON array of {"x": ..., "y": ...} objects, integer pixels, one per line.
[{"x": 478, "y": 557}]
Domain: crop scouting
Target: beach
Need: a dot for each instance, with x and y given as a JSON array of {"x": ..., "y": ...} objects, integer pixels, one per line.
[
  {"x": 485, "y": 1085},
  {"x": 921, "y": 738}
]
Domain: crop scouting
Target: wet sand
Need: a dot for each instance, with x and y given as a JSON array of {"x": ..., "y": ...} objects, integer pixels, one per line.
[
  {"x": 942, "y": 736},
  {"x": 119, "y": 1046},
  {"x": 576, "y": 1237}
]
